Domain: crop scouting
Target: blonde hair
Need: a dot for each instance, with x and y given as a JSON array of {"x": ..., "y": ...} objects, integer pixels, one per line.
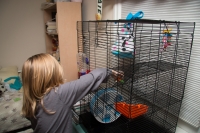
[{"x": 40, "y": 74}]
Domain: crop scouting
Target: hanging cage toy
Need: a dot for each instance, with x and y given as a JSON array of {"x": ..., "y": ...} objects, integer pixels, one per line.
[{"x": 166, "y": 38}]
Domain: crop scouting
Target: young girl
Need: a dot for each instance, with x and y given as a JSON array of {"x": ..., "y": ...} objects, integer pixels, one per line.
[{"x": 47, "y": 100}]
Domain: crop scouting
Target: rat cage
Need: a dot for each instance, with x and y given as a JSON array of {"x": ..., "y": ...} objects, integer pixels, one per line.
[{"x": 154, "y": 57}]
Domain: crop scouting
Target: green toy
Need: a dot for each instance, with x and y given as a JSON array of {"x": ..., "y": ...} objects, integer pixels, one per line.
[{"x": 17, "y": 99}]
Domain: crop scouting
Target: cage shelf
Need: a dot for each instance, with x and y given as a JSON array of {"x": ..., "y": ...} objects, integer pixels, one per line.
[
  {"x": 142, "y": 69},
  {"x": 151, "y": 99},
  {"x": 155, "y": 112}
]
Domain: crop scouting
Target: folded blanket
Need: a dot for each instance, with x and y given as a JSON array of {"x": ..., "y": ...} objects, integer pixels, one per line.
[{"x": 10, "y": 112}]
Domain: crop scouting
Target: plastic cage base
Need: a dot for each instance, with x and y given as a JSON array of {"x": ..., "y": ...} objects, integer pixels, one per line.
[{"x": 133, "y": 126}]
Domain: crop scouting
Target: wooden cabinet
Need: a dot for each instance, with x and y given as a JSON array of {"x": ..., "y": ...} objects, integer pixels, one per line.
[{"x": 66, "y": 15}]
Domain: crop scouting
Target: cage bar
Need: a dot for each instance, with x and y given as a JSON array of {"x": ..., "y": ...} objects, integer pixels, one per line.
[{"x": 154, "y": 56}]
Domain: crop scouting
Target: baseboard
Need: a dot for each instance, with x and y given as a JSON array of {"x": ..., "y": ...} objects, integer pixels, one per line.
[{"x": 187, "y": 127}]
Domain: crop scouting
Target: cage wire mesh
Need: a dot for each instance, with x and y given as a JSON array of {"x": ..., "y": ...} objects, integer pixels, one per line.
[{"x": 154, "y": 56}]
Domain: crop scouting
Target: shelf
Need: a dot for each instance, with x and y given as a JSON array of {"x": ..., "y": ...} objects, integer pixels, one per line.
[
  {"x": 149, "y": 96},
  {"x": 142, "y": 69},
  {"x": 160, "y": 100},
  {"x": 156, "y": 115},
  {"x": 61, "y": 13},
  {"x": 140, "y": 91},
  {"x": 154, "y": 99},
  {"x": 146, "y": 91},
  {"x": 48, "y": 6}
]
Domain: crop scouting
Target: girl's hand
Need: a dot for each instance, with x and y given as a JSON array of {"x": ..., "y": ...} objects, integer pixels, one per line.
[{"x": 118, "y": 76}]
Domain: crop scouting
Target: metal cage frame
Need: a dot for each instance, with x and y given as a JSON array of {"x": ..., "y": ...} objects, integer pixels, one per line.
[{"x": 154, "y": 75}]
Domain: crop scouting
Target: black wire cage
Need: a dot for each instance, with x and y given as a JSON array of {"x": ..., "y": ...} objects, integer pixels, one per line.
[{"x": 154, "y": 56}]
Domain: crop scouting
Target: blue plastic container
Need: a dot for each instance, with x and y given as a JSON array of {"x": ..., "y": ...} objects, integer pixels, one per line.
[{"x": 102, "y": 105}]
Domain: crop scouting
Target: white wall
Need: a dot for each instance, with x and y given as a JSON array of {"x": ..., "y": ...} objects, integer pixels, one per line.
[
  {"x": 89, "y": 9},
  {"x": 108, "y": 6},
  {"x": 22, "y": 28},
  {"x": 21, "y": 31}
]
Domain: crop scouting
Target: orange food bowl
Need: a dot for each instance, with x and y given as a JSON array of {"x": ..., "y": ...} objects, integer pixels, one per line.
[{"x": 131, "y": 110}]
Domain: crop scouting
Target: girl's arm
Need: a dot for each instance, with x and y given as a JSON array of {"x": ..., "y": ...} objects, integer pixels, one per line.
[{"x": 72, "y": 92}]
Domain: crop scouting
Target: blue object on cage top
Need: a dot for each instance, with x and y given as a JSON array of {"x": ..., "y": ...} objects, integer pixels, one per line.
[
  {"x": 102, "y": 105},
  {"x": 138, "y": 15}
]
